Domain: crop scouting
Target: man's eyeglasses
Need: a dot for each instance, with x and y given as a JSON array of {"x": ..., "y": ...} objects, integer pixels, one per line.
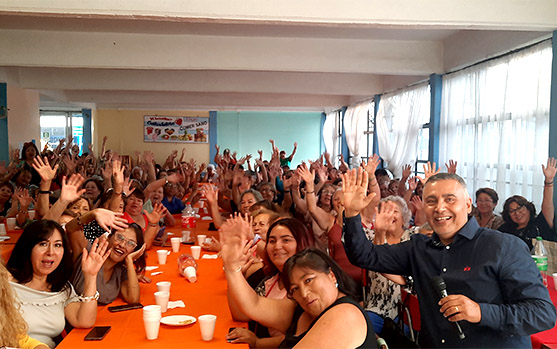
[
  {"x": 516, "y": 210},
  {"x": 128, "y": 243}
]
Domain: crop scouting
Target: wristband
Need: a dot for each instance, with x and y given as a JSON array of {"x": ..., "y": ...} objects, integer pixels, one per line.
[
  {"x": 548, "y": 183},
  {"x": 85, "y": 299},
  {"x": 45, "y": 192},
  {"x": 235, "y": 270},
  {"x": 310, "y": 192},
  {"x": 153, "y": 224}
]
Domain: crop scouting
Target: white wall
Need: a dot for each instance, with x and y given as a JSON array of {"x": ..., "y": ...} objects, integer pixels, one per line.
[{"x": 23, "y": 116}]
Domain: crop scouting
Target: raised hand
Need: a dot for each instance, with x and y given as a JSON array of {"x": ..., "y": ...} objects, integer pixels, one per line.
[
  {"x": 384, "y": 217},
  {"x": 70, "y": 188},
  {"x": 372, "y": 164},
  {"x": 92, "y": 261},
  {"x": 418, "y": 203},
  {"x": 42, "y": 166},
  {"x": 158, "y": 212},
  {"x": 549, "y": 170},
  {"x": 354, "y": 187},
  {"x": 413, "y": 183},
  {"x": 306, "y": 175},
  {"x": 22, "y": 195},
  {"x": 429, "y": 170},
  {"x": 118, "y": 172},
  {"x": 406, "y": 171},
  {"x": 260, "y": 152},
  {"x": 451, "y": 167},
  {"x": 108, "y": 219}
]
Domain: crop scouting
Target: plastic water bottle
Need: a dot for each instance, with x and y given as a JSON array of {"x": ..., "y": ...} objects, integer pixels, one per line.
[
  {"x": 187, "y": 267},
  {"x": 188, "y": 219},
  {"x": 539, "y": 254}
]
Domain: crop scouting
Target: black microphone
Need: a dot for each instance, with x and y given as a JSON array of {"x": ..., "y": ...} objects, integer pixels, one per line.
[{"x": 441, "y": 288}]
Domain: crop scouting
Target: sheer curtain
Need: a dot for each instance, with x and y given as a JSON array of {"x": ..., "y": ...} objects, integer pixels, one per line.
[
  {"x": 400, "y": 116},
  {"x": 495, "y": 123},
  {"x": 331, "y": 135},
  {"x": 355, "y": 124}
]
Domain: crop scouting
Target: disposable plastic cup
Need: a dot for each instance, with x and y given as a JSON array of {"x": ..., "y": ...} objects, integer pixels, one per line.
[
  {"x": 207, "y": 326},
  {"x": 10, "y": 222},
  {"x": 161, "y": 298},
  {"x": 150, "y": 310},
  {"x": 2, "y": 229},
  {"x": 196, "y": 251},
  {"x": 201, "y": 239},
  {"x": 164, "y": 286},
  {"x": 175, "y": 242},
  {"x": 152, "y": 328},
  {"x": 185, "y": 235},
  {"x": 162, "y": 254},
  {"x": 32, "y": 214}
]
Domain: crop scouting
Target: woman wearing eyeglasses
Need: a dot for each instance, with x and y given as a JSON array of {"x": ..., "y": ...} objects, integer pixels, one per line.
[
  {"x": 520, "y": 214},
  {"x": 117, "y": 275}
]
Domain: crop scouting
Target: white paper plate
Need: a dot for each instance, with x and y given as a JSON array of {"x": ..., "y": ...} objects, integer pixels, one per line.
[{"x": 178, "y": 320}]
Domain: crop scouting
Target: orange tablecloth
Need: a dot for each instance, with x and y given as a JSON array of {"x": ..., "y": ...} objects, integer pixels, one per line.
[
  {"x": 206, "y": 296},
  {"x": 549, "y": 337}
]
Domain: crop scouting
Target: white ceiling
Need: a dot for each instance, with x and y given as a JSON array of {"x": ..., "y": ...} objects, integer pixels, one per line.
[{"x": 215, "y": 56}]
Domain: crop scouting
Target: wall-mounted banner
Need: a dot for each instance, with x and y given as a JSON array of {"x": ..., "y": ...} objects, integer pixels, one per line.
[{"x": 177, "y": 129}]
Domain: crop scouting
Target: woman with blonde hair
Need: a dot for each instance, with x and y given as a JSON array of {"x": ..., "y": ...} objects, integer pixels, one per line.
[{"x": 13, "y": 329}]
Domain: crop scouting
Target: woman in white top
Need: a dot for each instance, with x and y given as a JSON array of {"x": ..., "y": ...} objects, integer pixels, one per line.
[{"x": 40, "y": 267}]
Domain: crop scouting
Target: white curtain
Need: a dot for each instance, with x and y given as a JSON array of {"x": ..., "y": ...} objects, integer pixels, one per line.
[
  {"x": 331, "y": 136},
  {"x": 400, "y": 116},
  {"x": 355, "y": 124},
  {"x": 495, "y": 123}
]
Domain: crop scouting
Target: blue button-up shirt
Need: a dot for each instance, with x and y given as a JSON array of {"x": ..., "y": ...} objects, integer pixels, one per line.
[{"x": 491, "y": 268}]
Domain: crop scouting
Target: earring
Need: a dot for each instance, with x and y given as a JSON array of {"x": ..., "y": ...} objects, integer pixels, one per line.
[{"x": 336, "y": 284}]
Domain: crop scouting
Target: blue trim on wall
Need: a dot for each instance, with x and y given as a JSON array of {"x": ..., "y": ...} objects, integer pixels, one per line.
[
  {"x": 322, "y": 148},
  {"x": 377, "y": 99},
  {"x": 87, "y": 137},
  {"x": 212, "y": 135},
  {"x": 343, "y": 145},
  {"x": 4, "y": 142},
  {"x": 436, "y": 86},
  {"x": 553, "y": 106}
]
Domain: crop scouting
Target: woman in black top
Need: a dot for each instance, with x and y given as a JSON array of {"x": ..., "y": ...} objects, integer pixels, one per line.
[
  {"x": 520, "y": 214},
  {"x": 324, "y": 314}
]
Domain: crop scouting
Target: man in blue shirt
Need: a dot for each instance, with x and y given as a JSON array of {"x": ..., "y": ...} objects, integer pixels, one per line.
[{"x": 495, "y": 290}]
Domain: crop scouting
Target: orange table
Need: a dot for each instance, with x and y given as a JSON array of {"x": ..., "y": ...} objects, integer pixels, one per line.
[{"x": 206, "y": 296}]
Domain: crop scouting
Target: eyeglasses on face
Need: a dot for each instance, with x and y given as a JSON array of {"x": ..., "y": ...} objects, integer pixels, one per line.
[
  {"x": 516, "y": 210},
  {"x": 128, "y": 243}
]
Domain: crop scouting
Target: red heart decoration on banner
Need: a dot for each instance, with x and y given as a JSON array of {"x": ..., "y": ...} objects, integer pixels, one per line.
[{"x": 179, "y": 122}]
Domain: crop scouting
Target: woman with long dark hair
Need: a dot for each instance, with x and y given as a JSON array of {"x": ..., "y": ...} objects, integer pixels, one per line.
[{"x": 41, "y": 266}]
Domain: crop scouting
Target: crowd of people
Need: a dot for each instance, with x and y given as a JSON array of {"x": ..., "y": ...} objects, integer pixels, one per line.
[{"x": 314, "y": 256}]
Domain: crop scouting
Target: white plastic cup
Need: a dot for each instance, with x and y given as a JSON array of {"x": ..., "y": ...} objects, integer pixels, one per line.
[
  {"x": 555, "y": 281},
  {"x": 10, "y": 222},
  {"x": 151, "y": 320},
  {"x": 208, "y": 240},
  {"x": 201, "y": 239},
  {"x": 161, "y": 298},
  {"x": 164, "y": 286},
  {"x": 175, "y": 242},
  {"x": 31, "y": 214},
  {"x": 207, "y": 326},
  {"x": 162, "y": 254},
  {"x": 196, "y": 252},
  {"x": 186, "y": 235},
  {"x": 2, "y": 229}
]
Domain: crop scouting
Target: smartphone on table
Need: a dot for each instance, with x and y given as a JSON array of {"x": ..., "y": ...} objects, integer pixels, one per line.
[
  {"x": 124, "y": 307},
  {"x": 97, "y": 333}
]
